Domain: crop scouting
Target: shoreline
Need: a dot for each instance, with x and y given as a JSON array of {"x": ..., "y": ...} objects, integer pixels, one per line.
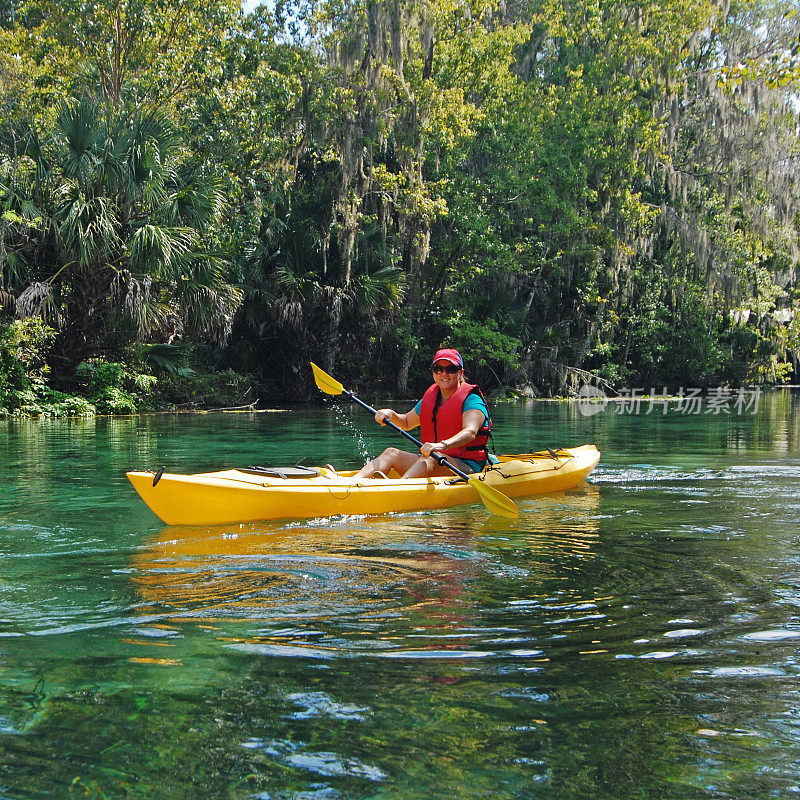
[{"x": 594, "y": 400}]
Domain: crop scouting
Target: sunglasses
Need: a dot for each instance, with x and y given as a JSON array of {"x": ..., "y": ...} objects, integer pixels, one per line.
[{"x": 450, "y": 369}]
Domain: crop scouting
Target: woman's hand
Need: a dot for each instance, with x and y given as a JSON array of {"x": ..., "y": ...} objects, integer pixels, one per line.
[
  {"x": 384, "y": 414},
  {"x": 405, "y": 421},
  {"x": 427, "y": 447}
]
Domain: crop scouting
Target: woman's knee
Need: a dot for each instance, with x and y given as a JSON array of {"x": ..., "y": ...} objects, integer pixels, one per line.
[
  {"x": 390, "y": 457},
  {"x": 420, "y": 468}
]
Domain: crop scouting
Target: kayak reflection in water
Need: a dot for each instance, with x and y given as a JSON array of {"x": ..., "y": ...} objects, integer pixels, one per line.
[{"x": 454, "y": 419}]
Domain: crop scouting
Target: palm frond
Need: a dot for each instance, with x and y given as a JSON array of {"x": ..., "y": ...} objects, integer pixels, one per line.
[
  {"x": 15, "y": 269},
  {"x": 196, "y": 202},
  {"x": 37, "y": 301},
  {"x": 107, "y": 198},
  {"x": 79, "y": 123},
  {"x": 380, "y": 289},
  {"x": 169, "y": 358},
  {"x": 139, "y": 301},
  {"x": 87, "y": 226},
  {"x": 208, "y": 301},
  {"x": 160, "y": 249}
]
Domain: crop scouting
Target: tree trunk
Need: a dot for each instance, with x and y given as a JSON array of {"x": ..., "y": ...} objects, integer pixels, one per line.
[{"x": 402, "y": 375}]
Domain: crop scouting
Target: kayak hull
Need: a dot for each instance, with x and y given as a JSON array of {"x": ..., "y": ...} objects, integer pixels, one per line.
[{"x": 229, "y": 496}]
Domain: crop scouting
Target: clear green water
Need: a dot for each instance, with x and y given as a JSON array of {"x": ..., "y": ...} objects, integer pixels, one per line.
[{"x": 635, "y": 638}]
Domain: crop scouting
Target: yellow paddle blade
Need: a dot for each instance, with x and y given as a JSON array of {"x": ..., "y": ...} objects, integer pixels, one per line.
[
  {"x": 325, "y": 382},
  {"x": 494, "y": 499}
]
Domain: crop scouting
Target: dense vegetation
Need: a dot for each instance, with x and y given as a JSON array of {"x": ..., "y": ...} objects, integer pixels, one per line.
[{"x": 195, "y": 201}]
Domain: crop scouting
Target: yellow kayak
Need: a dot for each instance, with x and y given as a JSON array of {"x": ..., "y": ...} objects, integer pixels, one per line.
[{"x": 255, "y": 494}]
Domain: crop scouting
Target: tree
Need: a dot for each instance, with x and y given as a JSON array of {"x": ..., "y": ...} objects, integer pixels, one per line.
[
  {"x": 617, "y": 157},
  {"x": 139, "y": 52},
  {"x": 402, "y": 75},
  {"x": 727, "y": 186},
  {"x": 298, "y": 298},
  {"x": 104, "y": 233}
]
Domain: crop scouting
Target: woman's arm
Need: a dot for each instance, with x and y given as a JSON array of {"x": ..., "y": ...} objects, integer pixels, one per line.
[
  {"x": 471, "y": 420},
  {"x": 406, "y": 421}
]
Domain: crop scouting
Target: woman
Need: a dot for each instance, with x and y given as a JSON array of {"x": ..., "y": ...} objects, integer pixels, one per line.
[{"x": 454, "y": 420}]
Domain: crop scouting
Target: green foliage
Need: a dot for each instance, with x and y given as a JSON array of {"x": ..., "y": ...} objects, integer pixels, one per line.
[
  {"x": 24, "y": 372},
  {"x": 115, "y": 388},
  {"x": 170, "y": 359},
  {"x": 218, "y": 389},
  {"x": 23, "y": 365},
  {"x": 120, "y": 250},
  {"x": 305, "y": 296},
  {"x": 487, "y": 346},
  {"x": 758, "y": 355},
  {"x": 46, "y": 402},
  {"x": 552, "y": 186},
  {"x": 142, "y": 51}
]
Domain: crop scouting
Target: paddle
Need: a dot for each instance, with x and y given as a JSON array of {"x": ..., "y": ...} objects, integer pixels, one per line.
[{"x": 493, "y": 499}]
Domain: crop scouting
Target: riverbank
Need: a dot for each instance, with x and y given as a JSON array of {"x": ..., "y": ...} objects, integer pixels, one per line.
[{"x": 53, "y": 404}]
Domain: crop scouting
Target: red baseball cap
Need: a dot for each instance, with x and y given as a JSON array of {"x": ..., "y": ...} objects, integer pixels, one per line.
[{"x": 449, "y": 354}]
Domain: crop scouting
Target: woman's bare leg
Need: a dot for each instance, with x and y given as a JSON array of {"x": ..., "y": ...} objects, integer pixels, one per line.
[
  {"x": 390, "y": 458},
  {"x": 428, "y": 467}
]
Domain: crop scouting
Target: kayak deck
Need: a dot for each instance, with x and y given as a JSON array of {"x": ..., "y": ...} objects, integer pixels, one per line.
[{"x": 232, "y": 495}]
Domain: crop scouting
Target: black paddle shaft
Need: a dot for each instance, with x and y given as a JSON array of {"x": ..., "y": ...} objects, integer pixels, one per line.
[{"x": 440, "y": 458}]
